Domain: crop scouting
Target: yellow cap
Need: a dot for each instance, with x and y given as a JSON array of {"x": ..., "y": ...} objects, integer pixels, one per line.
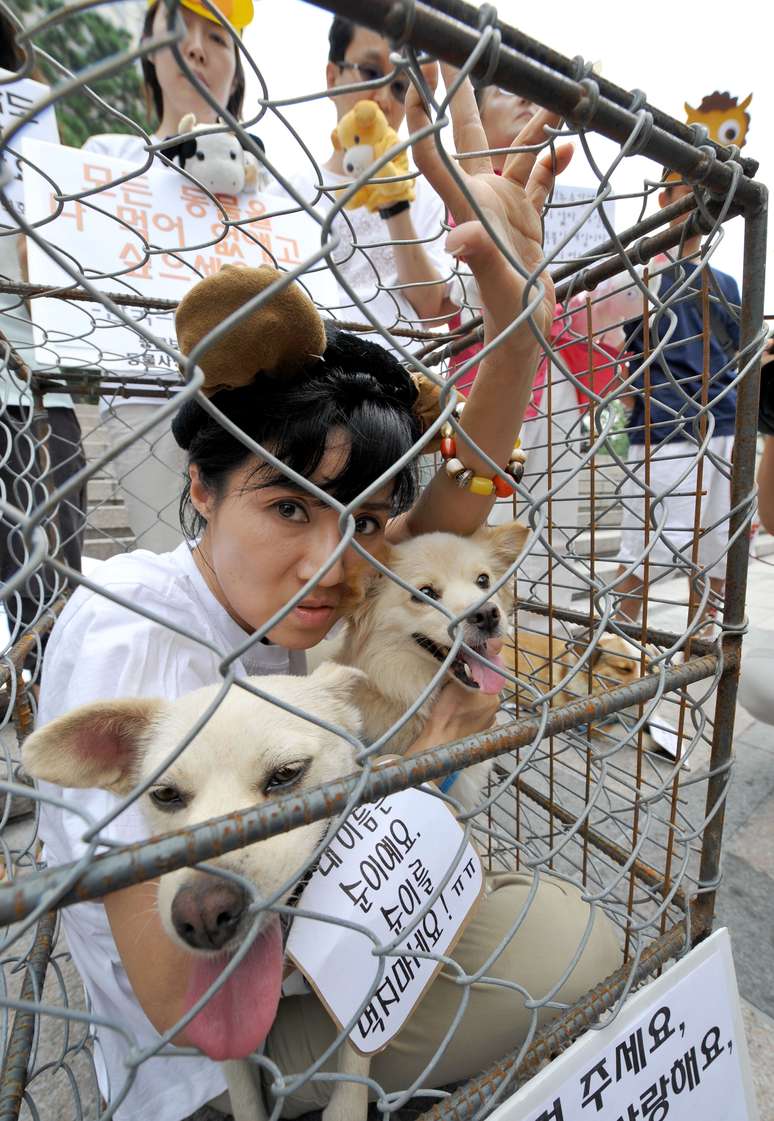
[{"x": 239, "y": 13}]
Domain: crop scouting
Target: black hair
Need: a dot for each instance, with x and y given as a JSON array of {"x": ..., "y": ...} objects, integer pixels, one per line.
[
  {"x": 153, "y": 92},
  {"x": 11, "y": 56},
  {"x": 340, "y": 35},
  {"x": 357, "y": 386}
]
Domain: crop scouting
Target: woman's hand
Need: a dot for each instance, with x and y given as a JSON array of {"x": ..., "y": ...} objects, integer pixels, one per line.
[
  {"x": 456, "y": 713},
  {"x": 511, "y": 203}
]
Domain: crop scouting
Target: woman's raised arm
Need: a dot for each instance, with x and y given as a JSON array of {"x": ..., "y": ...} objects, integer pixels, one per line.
[{"x": 512, "y": 204}]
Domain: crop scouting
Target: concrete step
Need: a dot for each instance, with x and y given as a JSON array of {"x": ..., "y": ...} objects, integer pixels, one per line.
[
  {"x": 101, "y": 490},
  {"x": 102, "y": 548},
  {"x": 110, "y": 518},
  {"x": 606, "y": 543}
]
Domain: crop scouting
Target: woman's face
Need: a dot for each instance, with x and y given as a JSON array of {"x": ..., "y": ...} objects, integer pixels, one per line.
[
  {"x": 504, "y": 115},
  {"x": 261, "y": 546},
  {"x": 209, "y": 52}
]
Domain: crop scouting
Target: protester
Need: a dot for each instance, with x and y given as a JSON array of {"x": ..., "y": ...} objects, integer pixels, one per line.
[
  {"x": 149, "y": 472},
  {"x": 674, "y": 402},
  {"x": 396, "y": 265}
]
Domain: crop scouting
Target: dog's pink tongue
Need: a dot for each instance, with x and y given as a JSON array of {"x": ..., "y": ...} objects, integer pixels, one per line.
[
  {"x": 488, "y": 680},
  {"x": 238, "y": 1017}
]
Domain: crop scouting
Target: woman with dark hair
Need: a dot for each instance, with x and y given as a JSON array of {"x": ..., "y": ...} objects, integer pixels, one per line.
[
  {"x": 342, "y": 413},
  {"x": 150, "y": 470}
]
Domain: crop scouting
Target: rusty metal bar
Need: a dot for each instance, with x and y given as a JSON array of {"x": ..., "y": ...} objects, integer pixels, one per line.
[
  {"x": 469, "y": 1100},
  {"x": 569, "y": 67},
  {"x": 577, "y": 102},
  {"x": 742, "y": 501},
  {"x": 650, "y": 876},
  {"x": 132, "y": 864},
  {"x": 14, "y": 1074}
]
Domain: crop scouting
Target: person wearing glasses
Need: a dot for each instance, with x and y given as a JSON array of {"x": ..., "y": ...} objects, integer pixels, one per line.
[{"x": 397, "y": 265}]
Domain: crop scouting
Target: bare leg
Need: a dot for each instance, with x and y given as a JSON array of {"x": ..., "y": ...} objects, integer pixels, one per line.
[{"x": 630, "y": 591}]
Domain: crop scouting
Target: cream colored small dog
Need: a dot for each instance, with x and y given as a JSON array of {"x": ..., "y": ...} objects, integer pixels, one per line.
[
  {"x": 401, "y": 639},
  {"x": 249, "y": 752}
]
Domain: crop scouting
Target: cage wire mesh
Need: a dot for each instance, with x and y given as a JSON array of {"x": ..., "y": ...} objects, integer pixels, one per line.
[{"x": 580, "y": 791}]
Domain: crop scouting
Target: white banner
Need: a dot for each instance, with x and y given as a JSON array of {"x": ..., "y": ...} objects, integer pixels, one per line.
[
  {"x": 16, "y": 100},
  {"x": 394, "y": 869},
  {"x": 677, "y": 1049},
  {"x": 154, "y": 235},
  {"x": 562, "y": 215}
]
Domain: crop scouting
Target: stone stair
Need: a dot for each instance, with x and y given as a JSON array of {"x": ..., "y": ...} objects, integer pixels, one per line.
[{"x": 107, "y": 529}]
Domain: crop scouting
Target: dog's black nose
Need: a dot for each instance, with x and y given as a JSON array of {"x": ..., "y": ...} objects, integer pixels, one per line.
[
  {"x": 207, "y": 915},
  {"x": 487, "y": 618}
]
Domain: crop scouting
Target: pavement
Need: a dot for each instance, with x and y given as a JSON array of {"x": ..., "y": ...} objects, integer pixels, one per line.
[{"x": 745, "y": 900}]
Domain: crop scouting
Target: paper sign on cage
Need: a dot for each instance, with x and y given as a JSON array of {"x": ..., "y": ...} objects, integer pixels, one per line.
[
  {"x": 676, "y": 1049},
  {"x": 154, "y": 235},
  {"x": 400, "y": 865}
]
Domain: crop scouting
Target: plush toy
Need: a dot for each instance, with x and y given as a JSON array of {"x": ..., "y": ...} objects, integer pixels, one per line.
[
  {"x": 217, "y": 159},
  {"x": 363, "y": 136},
  {"x": 725, "y": 117}
]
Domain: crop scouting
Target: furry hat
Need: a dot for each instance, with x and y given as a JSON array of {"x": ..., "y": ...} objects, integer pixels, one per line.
[{"x": 282, "y": 337}]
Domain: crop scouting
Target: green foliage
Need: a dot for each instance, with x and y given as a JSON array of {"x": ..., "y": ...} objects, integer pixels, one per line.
[{"x": 77, "y": 42}]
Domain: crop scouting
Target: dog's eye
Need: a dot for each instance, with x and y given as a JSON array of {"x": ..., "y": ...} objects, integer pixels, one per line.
[
  {"x": 167, "y": 798},
  {"x": 285, "y": 776},
  {"x": 429, "y": 591},
  {"x": 200, "y": 155},
  {"x": 483, "y": 580}
]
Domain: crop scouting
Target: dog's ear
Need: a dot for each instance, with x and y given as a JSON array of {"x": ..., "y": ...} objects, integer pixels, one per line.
[
  {"x": 97, "y": 745},
  {"x": 335, "y": 689},
  {"x": 504, "y": 542}
]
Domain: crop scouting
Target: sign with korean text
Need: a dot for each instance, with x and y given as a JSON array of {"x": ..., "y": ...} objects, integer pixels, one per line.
[
  {"x": 399, "y": 868},
  {"x": 17, "y": 98},
  {"x": 154, "y": 235},
  {"x": 567, "y": 206},
  {"x": 676, "y": 1050}
]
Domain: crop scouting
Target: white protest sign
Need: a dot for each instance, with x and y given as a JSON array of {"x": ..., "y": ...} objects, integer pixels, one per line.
[
  {"x": 133, "y": 237},
  {"x": 394, "y": 867},
  {"x": 677, "y": 1049},
  {"x": 16, "y": 100},
  {"x": 561, "y": 216}
]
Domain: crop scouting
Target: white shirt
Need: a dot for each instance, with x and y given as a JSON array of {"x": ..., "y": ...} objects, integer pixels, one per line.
[
  {"x": 100, "y": 650},
  {"x": 369, "y": 266}
]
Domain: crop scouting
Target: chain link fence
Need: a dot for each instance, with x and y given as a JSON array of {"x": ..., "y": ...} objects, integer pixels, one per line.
[{"x": 612, "y": 755}]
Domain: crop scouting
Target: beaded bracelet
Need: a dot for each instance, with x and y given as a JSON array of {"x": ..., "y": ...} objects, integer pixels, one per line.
[{"x": 467, "y": 479}]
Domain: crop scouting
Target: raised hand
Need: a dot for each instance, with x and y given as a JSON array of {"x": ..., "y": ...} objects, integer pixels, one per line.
[{"x": 511, "y": 203}]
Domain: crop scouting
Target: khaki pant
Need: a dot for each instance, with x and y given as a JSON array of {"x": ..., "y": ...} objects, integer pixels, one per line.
[{"x": 538, "y": 957}]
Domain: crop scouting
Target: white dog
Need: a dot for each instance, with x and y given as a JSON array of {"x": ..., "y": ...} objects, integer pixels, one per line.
[
  {"x": 249, "y": 752},
  {"x": 400, "y": 640}
]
